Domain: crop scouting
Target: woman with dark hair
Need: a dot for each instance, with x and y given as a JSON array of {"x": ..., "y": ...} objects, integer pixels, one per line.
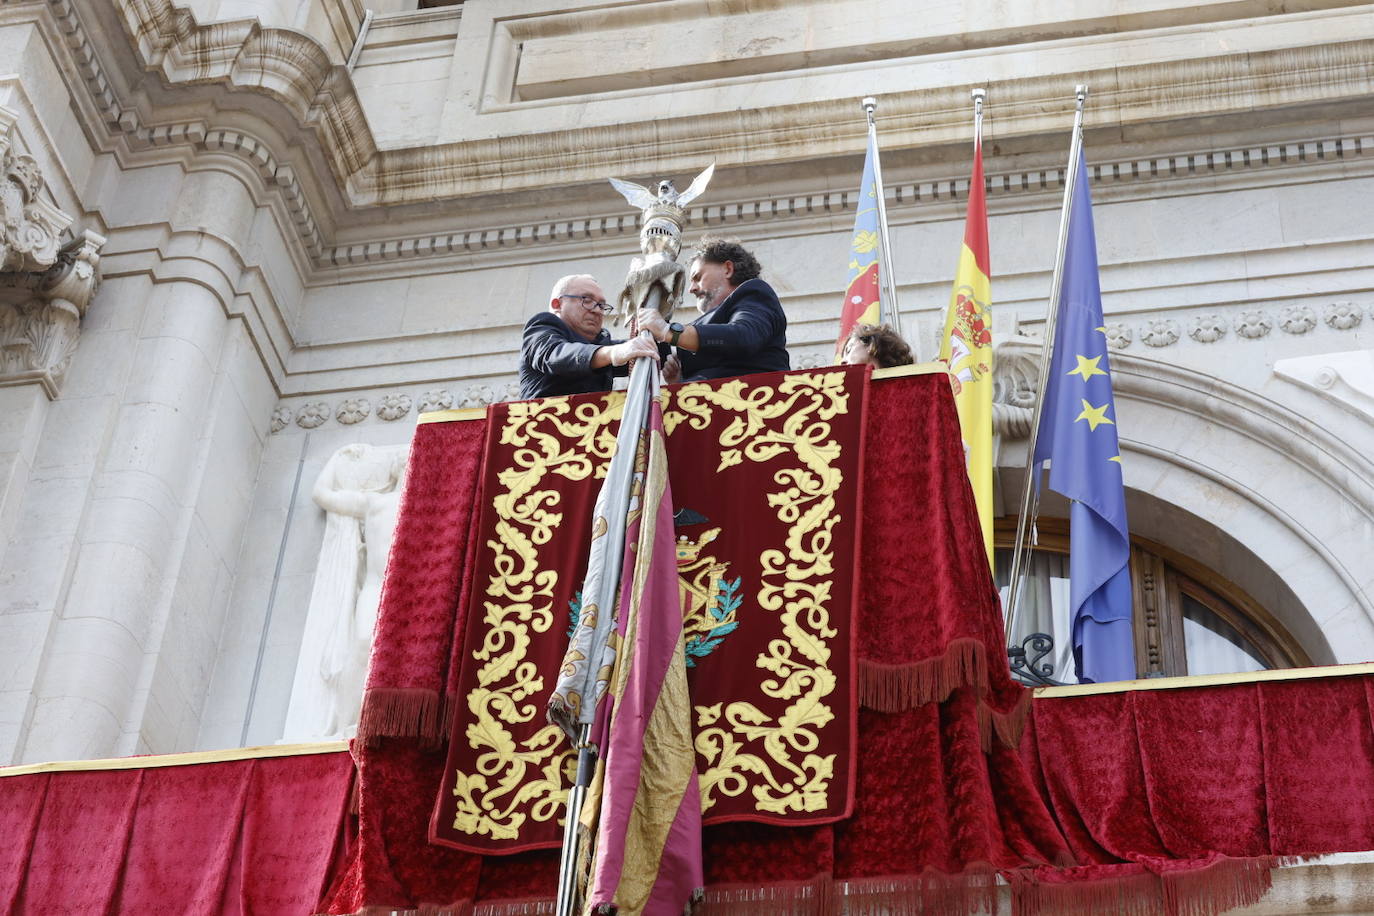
[{"x": 876, "y": 344}]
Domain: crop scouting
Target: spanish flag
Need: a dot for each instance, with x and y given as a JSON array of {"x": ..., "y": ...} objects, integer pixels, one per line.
[
  {"x": 967, "y": 346},
  {"x": 861, "y": 291}
]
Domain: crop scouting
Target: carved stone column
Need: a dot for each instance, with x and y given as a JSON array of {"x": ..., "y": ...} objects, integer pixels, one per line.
[{"x": 45, "y": 289}]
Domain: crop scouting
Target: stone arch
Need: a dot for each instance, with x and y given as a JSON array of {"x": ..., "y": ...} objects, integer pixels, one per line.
[{"x": 1264, "y": 495}]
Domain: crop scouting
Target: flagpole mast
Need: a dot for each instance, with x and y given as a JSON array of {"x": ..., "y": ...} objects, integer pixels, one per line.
[
  {"x": 870, "y": 105},
  {"x": 979, "y": 95},
  {"x": 1028, "y": 512}
]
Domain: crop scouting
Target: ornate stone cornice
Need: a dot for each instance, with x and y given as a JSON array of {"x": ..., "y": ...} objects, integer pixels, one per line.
[
  {"x": 296, "y": 71},
  {"x": 318, "y": 96}
]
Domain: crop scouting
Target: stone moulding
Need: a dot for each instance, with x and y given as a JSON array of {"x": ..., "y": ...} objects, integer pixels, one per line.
[
  {"x": 296, "y": 71},
  {"x": 392, "y": 406},
  {"x": 318, "y": 95}
]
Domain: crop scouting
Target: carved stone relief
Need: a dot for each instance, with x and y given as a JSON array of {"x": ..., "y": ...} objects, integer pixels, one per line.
[
  {"x": 44, "y": 290},
  {"x": 1343, "y": 316},
  {"x": 1253, "y": 324},
  {"x": 438, "y": 399},
  {"x": 359, "y": 489},
  {"x": 312, "y": 416},
  {"x": 353, "y": 410},
  {"x": 393, "y": 406},
  {"x": 30, "y": 226},
  {"x": 1160, "y": 333},
  {"x": 1207, "y": 328},
  {"x": 1015, "y": 380},
  {"x": 1119, "y": 336},
  {"x": 1297, "y": 319}
]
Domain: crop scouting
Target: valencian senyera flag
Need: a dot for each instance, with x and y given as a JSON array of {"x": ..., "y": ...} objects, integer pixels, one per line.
[
  {"x": 1078, "y": 435},
  {"x": 967, "y": 346},
  {"x": 642, "y": 816},
  {"x": 861, "y": 289}
]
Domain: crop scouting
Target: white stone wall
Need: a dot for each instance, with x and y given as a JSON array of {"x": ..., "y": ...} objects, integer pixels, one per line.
[{"x": 292, "y": 247}]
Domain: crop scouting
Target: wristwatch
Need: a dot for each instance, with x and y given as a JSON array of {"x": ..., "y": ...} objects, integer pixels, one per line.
[{"x": 675, "y": 331}]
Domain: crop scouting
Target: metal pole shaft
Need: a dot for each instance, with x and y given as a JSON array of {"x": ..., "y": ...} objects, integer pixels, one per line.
[
  {"x": 1026, "y": 516},
  {"x": 567, "y": 903},
  {"x": 893, "y": 314}
]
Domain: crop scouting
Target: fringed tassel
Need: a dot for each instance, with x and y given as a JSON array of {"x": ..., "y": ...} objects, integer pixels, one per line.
[
  {"x": 1212, "y": 889},
  {"x": 403, "y": 712},
  {"x": 1135, "y": 894},
  {"x": 463, "y": 908},
  {"x": 895, "y": 688},
  {"x": 1007, "y": 726},
  {"x": 1207, "y": 890},
  {"x": 929, "y": 894}
]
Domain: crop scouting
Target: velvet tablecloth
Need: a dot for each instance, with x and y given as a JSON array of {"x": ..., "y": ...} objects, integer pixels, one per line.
[{"x": 224, "y": 838}]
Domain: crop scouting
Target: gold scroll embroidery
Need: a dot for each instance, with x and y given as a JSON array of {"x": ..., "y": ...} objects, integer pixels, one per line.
[
  {"x": 514, "y": 780},
  {"x": 793, "y": 417}
]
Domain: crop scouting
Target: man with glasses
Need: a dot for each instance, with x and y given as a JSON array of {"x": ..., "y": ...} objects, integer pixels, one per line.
[{"x": 567, "y": 351}]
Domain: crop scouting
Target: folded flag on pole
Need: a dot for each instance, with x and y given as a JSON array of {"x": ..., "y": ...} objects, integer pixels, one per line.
[
  {"x": 1078, "y": 436},
  {"x": 966, "y": 346},
  {"x": 624, "y": 681},
  {"x": 648, "y": 836},
  {"x": 861, "y": 290}
]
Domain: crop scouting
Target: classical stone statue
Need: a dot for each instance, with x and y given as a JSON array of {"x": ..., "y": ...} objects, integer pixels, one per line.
[
  {"x": 359, "y": 489},
  {"x": 656, "y": 279}
]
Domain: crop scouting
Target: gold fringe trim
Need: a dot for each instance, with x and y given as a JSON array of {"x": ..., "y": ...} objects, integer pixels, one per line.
[{"x": 189, "y": 758}]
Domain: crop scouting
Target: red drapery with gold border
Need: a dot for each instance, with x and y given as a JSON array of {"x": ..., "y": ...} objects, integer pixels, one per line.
[
  {"x": 765, "y": 476},
  {"x": 219, "y": 838},
  {"x": 1172, "y": 802}
]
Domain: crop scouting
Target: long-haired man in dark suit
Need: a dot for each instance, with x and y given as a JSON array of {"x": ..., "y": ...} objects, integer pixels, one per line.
[{"x": 742, "y": 328}]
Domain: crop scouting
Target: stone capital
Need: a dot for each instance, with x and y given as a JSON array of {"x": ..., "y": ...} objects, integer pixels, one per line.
[
  {"x": 40, "y": 314},
  {"x": 30, "y": 226}
]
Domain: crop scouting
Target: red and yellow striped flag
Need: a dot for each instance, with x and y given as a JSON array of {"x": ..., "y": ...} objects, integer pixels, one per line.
[{"x": 967, "y": 346}]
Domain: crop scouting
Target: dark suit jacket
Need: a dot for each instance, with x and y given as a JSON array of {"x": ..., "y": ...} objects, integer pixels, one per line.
[
  {"x": 556, "y": 360},
  {"x": 746, "y": 333}
]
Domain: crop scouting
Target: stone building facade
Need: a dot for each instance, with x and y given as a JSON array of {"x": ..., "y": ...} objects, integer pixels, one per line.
[{"x": 240, "y": 234}]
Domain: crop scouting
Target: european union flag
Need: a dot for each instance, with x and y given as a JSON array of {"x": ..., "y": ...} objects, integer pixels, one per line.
[{"x": 1078, "y": 436}]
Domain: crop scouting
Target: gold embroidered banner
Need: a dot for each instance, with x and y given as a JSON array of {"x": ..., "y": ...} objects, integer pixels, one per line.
[{"x": 765, "y": 474}]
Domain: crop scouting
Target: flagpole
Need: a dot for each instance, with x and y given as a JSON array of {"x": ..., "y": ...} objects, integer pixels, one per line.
[
  {"x": 979, "y": 95},
  {"x": 1028, "y": 513},
  {"x": 870, "y": 105}
]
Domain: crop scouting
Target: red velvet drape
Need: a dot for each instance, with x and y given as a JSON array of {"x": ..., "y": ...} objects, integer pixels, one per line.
[
  {"x": 254, "y": 836},
  {"x": 1150, "y": 803},
  {"x": 924, "y": 800},
  {"x": 412, "y": 675}
]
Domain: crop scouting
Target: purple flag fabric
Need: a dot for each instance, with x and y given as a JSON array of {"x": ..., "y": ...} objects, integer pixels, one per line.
[{"x": 648, "y": 838}]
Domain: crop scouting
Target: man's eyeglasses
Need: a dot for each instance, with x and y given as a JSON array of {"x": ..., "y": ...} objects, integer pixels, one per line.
[{"x": 591, "y": 302}]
